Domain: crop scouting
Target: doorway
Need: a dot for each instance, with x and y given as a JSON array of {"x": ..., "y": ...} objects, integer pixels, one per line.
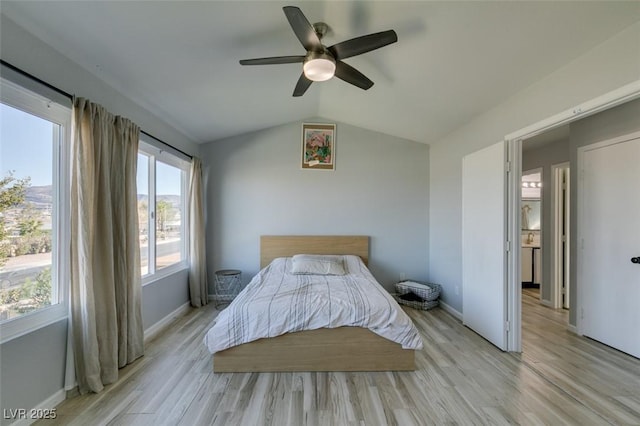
[
  {"x": 544, "y": 236},
  {"x": 515, "y": 140},
  {"x": 607, "y": 282},
  {"x": 531, "y": 209},
  {"x": 507, "y": 293}
]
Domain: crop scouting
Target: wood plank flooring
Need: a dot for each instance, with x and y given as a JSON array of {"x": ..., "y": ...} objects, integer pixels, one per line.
[{"x": 559, "y": 378}]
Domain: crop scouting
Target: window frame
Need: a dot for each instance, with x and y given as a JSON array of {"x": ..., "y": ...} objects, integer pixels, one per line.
[
  {"x": 146, "y": 147},
  {"x": 31, "y": 101}
]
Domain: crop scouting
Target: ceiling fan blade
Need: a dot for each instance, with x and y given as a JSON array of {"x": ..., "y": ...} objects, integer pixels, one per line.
[
  {"x": 363, "y": 44},
  {"x": 302, "y": 28},
  {"x": 351, "y": 75},
  {"x": 274, "y": 60},
  {"x": 302, "y": 85}
]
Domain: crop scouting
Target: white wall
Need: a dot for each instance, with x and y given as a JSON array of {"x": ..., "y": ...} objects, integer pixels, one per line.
[
  {"x": 608, "y": 66},
  {"x": 255, "y": 186},
  {"x": 33, "y": 365}
]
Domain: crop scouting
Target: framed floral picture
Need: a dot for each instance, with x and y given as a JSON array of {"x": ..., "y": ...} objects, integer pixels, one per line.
[{"x": 318, "y": 146}]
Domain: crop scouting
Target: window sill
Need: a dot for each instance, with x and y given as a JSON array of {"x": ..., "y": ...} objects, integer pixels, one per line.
[
  {"x": 164, "y": 272},
  {"x": 28, "y": 323}
]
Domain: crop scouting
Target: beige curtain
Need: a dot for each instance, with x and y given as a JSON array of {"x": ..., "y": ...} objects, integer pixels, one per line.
[
  {"x": 198, "y": 289},
  {"x": 106, "y": 315}
]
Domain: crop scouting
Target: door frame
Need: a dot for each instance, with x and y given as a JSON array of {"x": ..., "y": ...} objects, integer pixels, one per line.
[
  {"x": 558, "y": 259},
  {"x": 514, "y": 140}
]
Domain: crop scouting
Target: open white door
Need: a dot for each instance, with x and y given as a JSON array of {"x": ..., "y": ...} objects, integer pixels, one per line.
[{"x": 484, "y": 268}]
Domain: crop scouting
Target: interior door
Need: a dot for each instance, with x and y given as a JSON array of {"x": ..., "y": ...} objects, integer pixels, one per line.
[
  {"x": 484, "y": 195},
  {"x": 610, "y": 263}
]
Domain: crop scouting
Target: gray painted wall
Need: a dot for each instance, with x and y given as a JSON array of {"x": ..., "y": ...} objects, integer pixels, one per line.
[
  {"x": 255, "y": 186},
  {"x": 32, "y": 367},
  {"x": 29, "y": 374},
  {"x": 619, "y": 121},
  {"x": 163, "y": 296},
  {"x": 545, "y": 157},
  {"x": 607, "y": 67}
]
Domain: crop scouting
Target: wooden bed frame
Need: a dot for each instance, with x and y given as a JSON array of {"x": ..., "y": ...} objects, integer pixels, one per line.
[{"x": 326, "y": 349}]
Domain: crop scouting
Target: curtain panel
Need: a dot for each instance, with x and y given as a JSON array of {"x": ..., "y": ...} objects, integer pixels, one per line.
[
  {"x": 106, "y": 313},
  {"x": 198, "y": 288}
]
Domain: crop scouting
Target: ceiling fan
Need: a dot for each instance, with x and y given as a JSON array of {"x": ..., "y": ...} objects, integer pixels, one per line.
[{"x": 321, "y": 62}]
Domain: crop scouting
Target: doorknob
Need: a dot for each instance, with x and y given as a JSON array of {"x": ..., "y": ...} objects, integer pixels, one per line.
[{"x": 635, "y": 260}]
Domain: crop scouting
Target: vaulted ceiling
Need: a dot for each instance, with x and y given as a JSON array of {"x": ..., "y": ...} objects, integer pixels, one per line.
[{"x": 453, "y": 60}]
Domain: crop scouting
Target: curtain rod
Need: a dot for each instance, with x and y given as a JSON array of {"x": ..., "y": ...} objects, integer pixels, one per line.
[{"x": 70, "y": 96}]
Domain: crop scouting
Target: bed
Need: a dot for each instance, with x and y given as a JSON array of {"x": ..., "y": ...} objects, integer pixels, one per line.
[{"x": 340, "y": 348}]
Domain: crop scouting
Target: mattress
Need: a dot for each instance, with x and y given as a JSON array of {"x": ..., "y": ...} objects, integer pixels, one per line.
[{"x": 276, "y": 302}]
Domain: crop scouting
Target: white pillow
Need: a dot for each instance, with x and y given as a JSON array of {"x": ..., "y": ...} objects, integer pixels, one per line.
[{"x": 313, "y": 264}]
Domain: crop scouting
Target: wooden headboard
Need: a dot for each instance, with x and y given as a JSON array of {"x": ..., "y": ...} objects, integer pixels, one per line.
[{"x": 273, "y": 246}]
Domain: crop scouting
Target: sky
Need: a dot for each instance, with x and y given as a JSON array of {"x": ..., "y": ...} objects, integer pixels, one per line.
[{"x": 26, "y": 148}]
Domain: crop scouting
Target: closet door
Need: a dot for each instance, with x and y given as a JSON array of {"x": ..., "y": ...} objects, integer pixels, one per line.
[{"x": 609, "y": 243}]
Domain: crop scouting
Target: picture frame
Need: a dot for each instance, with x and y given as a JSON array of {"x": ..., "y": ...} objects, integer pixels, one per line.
[{"x": 318, "y": 146}]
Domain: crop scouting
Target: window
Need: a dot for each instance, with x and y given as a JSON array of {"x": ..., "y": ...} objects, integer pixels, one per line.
[
  {"x": 143, "y": 210},
  {"x": 33, "y": 199},
  {"x": 162, "y": 202},
  {"x": 169, "y": 213}
]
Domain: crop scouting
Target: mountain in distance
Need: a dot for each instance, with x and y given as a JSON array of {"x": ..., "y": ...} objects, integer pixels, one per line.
[
  {"x": 43, "y": 196},
  {"x": 39, "y": 195},
  {"x": 174, "y": 200}
]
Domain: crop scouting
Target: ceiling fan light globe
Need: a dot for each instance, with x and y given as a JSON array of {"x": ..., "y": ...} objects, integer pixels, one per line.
[{"x": 319, "y": 69}]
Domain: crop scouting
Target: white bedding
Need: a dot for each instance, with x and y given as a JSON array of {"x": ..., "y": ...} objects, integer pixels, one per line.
[{"x": 276, "y": 302}]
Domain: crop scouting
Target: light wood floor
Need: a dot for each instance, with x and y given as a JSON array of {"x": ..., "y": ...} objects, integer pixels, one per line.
[{"x": 559, "y": 378}]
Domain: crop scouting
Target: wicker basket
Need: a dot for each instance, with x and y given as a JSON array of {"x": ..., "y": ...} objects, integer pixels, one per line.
[{"x": 430, "y": 292}]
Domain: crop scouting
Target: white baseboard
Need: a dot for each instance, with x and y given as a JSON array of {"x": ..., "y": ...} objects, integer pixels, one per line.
[
  {"x": 572, "y": 328},
  {"x": 45, "y": 407},
  {"x": 546, "y": 303},
  {"x": 156, "y": 328},
  {"x": 449, "y": 309}
]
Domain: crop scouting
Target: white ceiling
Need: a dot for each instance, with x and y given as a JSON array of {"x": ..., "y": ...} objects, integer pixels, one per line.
[{"x": 453, "y": 60}]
